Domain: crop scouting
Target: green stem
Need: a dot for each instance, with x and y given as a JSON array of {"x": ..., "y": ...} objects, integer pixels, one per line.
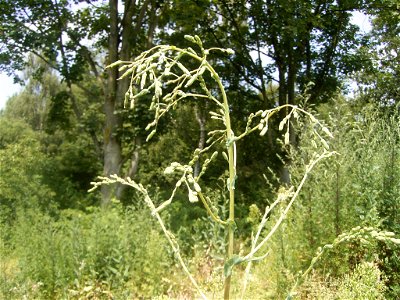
[
  {"x": 175, "y": 249},
  {"x": 214, "y": 217},
  {"x": 301, "y": 279},
  {"x": 289, "y": 205},
  {"x": 232, "y": 174}
]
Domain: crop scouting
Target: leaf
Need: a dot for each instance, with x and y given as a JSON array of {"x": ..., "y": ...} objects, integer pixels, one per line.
[
  {"x": 325, "y": 144},
  {"x": 314, "y": 144},
  {"x": 169, "y": 170},
  {"x": 326, "y": 130},
  {"x": 127, "y": 73},
  {"x": 142, "y": 93},
  {"x": 183, "y": 68},
  {"x": 230, "y": 51},
  {"x": 197, "y": 187},
  {"x": 198, "y": 41},
  {"x": 396, "y": 241},
  {"x": 191, "y": 80},
  {"x": 313, "y": 119},
  {"x": 87, "y": 288},
  {"x": 113, "y": 270},
  {"x": 235, "y": 260},
  {"x": 126, "y": 272}
]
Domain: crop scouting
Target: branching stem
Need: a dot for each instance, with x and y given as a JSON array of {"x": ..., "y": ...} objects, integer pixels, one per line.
[
  {"x": 162, "y": 71},
  {"x": 289, "y": 205},
  {"x": 232, "y": 174}
]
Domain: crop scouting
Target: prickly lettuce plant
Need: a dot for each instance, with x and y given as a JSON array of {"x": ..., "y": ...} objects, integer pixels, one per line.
[{"x": 164, "y": 73}]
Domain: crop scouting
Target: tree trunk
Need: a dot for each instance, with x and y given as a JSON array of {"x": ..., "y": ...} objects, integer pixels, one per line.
[
  {"x": 123, "y": 37},
  {"x": 112, "y": 144},
  {"x": 132, "y": 169}
]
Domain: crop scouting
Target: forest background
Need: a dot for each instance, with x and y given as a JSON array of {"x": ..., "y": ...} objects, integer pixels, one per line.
[{"x": 68, "y": 125}]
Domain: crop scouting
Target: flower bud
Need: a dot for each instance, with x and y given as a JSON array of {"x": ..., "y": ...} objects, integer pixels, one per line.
[
  {"x": 264, "y": 114},
  {"x": 197, "y": 187},
  {"x": 192, "y": 196},
  {"x": 287, "y": 136},
  {"x": 264, "y": 130},
  {"x": 169, "y": 170}
]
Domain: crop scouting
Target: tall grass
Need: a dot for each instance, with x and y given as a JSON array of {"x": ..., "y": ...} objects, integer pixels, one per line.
[{"x": 116, "y": 253}]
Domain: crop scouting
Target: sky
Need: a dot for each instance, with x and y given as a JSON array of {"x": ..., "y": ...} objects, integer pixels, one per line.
[{"x": 8, "y": 88}]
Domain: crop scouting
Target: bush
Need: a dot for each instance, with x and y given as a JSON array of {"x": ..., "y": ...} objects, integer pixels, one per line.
[
  {"x": 358, "y": 187},
  {"x": 80, "y": 254},
  {"x": 365, "y": 283}
]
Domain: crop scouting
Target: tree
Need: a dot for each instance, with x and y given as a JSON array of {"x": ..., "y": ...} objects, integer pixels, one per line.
[
  {"x": 34, "y": 103},
  {"x": 22, "y": 184},
  {"x": 71, "y": 37},
  {"x": 380, "y": 81},
  {"x": 288, "y": 43}
]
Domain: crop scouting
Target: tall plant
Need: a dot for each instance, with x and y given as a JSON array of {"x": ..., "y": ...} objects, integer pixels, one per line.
[{"x": 164, "y": 72}]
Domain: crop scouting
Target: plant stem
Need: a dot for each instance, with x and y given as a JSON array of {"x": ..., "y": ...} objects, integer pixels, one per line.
[
  {"x": 212, "y": 215},
  {"x": 231, "y": 219},
  {"x": 177, "y": 253},
  {"x": 230, "y": 143},
  {"x": 283, "y": 215}
]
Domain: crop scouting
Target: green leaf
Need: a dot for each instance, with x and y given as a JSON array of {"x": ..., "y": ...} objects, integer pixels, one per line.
[
  {"x": 235, "y": 260},
  {"x": 113, "y": 270}
]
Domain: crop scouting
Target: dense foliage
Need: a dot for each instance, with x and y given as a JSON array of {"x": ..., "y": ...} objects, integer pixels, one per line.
[{"x": 68, "y": 125}]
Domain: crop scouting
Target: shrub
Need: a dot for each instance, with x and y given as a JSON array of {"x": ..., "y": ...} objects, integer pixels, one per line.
[{"x": 116, "y": 252}]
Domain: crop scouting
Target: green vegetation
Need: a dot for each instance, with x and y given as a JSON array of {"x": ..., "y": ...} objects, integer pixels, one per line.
[{"x": 249, "y": 173}]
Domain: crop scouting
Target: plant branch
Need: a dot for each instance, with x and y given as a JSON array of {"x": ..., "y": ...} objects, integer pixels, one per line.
[
  {"x": 170, "y": 237},
  {"x": 283, "y": 215},
  {"x": 214, "y": 217}
]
